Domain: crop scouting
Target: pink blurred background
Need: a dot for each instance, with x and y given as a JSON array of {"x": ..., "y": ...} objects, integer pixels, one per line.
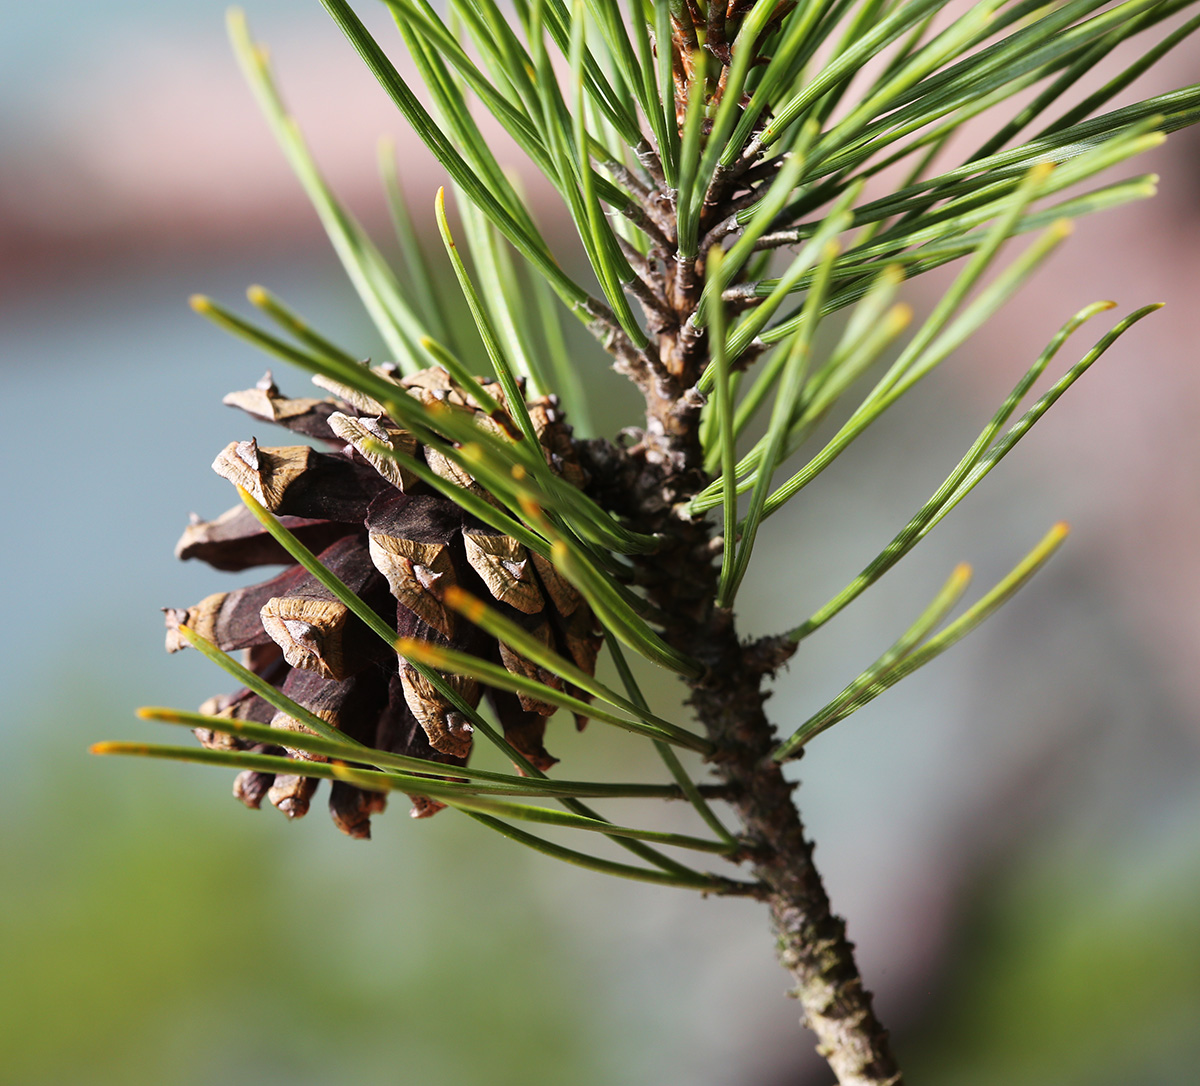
[{"x": 1013, "y": 835}]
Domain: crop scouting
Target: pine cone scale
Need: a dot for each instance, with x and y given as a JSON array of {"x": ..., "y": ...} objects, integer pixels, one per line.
[{"x": 397, "y": 545}]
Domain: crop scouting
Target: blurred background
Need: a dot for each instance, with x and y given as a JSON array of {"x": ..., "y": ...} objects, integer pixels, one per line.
[{"x": 1013, "y": 834}]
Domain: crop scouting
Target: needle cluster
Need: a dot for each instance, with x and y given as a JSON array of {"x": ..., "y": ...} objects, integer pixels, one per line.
[{"x": 751, "y": 183}]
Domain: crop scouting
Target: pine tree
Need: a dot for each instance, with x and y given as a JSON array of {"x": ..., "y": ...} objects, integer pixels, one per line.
[{"x": 738, "y": 177}]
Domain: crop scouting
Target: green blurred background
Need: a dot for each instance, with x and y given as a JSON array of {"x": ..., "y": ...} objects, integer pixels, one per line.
[{"x": 1013, "y": 835}]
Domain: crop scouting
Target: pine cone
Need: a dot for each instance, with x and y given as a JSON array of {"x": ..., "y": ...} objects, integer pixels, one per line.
[{"x": 398, "y": 545}]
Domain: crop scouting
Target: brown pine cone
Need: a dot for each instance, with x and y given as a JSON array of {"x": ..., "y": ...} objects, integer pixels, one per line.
[{"x": 398, "y": 545}]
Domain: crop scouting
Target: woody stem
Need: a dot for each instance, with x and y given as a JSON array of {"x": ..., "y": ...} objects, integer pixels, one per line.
[{"x": 647, "y": 485}]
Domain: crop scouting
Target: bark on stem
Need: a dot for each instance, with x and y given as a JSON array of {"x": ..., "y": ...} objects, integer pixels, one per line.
[
  {"x": 647, "y": 484},
  {"x": 810, "y": 940}
]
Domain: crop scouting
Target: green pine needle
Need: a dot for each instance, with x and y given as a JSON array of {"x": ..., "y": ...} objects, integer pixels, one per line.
[
  {"x": 904, "y": 658},
  {"x": 689, "y": 145}
]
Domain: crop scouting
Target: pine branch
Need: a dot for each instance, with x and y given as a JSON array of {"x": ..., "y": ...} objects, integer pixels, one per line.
[{"x": 688, "y": 142}]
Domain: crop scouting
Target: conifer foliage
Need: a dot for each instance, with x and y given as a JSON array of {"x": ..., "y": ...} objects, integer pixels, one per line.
[{"x": 458, "y": 547}]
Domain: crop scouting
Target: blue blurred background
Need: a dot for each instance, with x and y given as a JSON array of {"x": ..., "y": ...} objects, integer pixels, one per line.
[{"x": 1013, "y": 835}]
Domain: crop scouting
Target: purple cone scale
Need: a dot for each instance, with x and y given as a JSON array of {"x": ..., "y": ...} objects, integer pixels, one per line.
[{"x": 397, "y": 544}]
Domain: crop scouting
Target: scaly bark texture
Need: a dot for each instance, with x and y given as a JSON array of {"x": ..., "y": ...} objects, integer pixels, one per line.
[
  {"x": 648, "y": 484},
  {"x": 681, "y": 579}
]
